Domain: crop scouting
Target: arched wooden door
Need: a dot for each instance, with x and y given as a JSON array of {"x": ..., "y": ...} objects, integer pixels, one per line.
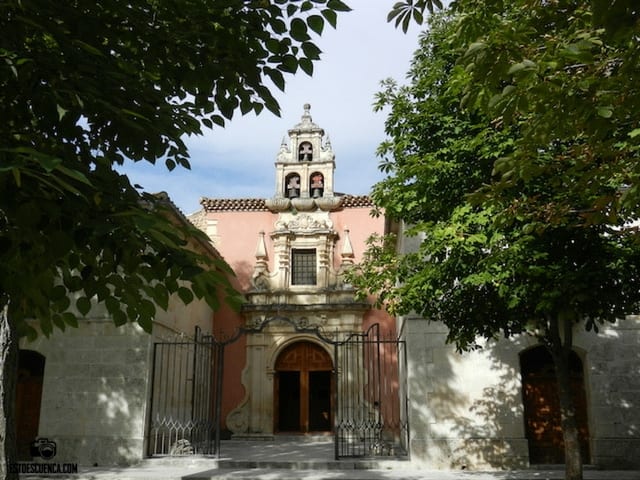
[
  {"x": 303, "y": 399},
  {"x": 28, "y": 400},
  {"x": 542, "y": 406}
]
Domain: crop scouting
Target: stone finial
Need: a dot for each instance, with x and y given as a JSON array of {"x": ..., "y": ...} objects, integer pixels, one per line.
[
  {"x": 306, "y": 124},
  {"x": 261, "y": 248},
  {"x": 260, "y": 278},
  {"x": 347, "y": 249}
]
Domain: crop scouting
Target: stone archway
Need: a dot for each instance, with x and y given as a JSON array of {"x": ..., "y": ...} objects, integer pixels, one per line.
[
  {"x": 303, "y": 389},
  {"x": 542, "y": 406}
]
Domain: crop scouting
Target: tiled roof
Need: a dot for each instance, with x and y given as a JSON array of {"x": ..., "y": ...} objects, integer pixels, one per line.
[
  {"x": 356, "y": 201},
  {"x": 257, "y": 204},
  {"x": 233, "y": 204}
]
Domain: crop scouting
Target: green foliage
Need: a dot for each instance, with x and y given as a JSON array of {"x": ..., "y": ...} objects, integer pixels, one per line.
[
  {"x": 85, "y": 86},
  {"x": 565, "y": 71},
  {"x": 505, "y": 241}
]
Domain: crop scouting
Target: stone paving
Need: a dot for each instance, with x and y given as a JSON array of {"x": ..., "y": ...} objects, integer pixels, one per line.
[{"x": 305, "y": 460}]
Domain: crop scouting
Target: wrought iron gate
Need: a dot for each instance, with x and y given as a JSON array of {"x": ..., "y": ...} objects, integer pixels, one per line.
[
  {"x": 371, "y": 401},
  {"x": 185, "y": 401}
]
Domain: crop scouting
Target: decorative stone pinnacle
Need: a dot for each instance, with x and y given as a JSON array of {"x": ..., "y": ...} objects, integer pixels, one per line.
[
  {"x": 347, "y": 248},
  {"x": 261, "y": 248}
]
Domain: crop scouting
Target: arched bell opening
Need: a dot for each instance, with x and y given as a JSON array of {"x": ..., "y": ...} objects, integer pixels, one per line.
[
  {"x": 316, "y": 185},
  {"x": 292, "y": 185},
  {"x": 305, "y": 152}
]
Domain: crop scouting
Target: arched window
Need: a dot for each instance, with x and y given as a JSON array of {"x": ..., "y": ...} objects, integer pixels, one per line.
[
  {"x": 292, "y": 185},
  {"x": 305, "y": 152},
  {"x": 316, "y": 185}
]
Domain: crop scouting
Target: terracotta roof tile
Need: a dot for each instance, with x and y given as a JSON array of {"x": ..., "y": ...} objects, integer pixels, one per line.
[
  {"x": 257, "y": 204},
  {"x": 233, "y": 204}
]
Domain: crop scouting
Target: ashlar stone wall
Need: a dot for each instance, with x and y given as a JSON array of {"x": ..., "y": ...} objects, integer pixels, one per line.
[
  {"x": 466, "y": 409},
  {"x": 94, "y": 393},
  {"x": 97, "y": 382}
]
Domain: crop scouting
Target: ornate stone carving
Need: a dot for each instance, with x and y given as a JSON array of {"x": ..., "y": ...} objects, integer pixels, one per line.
[
  {"x": 238, "y": 420},
  {"x": 304, "y": 222},
  {"x": 261, "y": 282}
]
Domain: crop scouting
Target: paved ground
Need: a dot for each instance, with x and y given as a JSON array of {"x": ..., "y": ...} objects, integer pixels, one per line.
[{"x": 307, "y": 460}]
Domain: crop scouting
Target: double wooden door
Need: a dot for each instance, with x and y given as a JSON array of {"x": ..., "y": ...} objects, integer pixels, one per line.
[{"x": 303, "y": 389}]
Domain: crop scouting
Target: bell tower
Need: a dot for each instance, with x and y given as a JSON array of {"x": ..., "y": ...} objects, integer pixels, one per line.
[
  {"x": 297, "y": 287},
  {"x": 305, "y": 167}
]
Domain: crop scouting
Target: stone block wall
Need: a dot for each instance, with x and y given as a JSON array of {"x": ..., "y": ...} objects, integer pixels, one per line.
[
  {"x": 613, "y": 393},
  {"x": 94, "y": 393},
  {"x": 466, "y": 409}
]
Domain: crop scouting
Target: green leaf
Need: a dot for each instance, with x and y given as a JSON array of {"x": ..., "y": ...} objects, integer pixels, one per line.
[
  {"x": 634, "y": 133},
  {"x": 330, "y": 16},
  {"x": 185, "y": 295},
  {"x": 161, "y": 296},
  {"x": 70, "y": 319},
  {"x": 311, "y": 51},
  {"x": 83, "y": 304},
  {"x": 119, "y": 318},
  {"x": 218, "y": 120},
  {"x": 605, "y": 111},
  {"x": 316, "y": 23},
  {"x": 306, "y": 65},
  {"x": 298, "y": 30},
  {"x": 58, "y": 321},
  {"x": 61, "y": 112},
  {"x": 475, "y": 48},
  {"x": 338, "y": 6},
  {"x": 276, "y": 77}
]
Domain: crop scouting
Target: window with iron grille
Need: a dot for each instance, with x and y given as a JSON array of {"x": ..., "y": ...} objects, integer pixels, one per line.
[{"x": 303, "y": 266}]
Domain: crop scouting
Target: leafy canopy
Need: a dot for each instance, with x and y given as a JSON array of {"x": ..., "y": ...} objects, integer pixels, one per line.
[
  {"x": 563, "y": 70},
  {"x": 493, "y": 252},
  {"x": 86, "y": 86}
]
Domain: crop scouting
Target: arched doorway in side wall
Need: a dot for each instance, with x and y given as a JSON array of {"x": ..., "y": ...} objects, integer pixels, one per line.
[
  {"x": 542, "y": 406},
  {"x": 303, "y": 380},
  {"x": 28, "y": 400}
]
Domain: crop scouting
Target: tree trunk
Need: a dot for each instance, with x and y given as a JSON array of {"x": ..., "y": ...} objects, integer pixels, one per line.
[
  {"x": 572, "y": 454},
  {"x": 561, "y": 347},
  {"x": 8, "y": 378}
]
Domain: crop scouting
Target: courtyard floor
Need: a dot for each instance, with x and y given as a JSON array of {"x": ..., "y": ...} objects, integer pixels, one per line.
[{"x": 298, "y": 459}]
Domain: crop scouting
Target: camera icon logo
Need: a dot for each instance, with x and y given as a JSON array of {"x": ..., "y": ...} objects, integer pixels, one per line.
[{"x": 43, "y": 448}]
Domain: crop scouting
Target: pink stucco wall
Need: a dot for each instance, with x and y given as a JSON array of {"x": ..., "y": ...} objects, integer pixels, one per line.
[{"x": 237, "y": 234}]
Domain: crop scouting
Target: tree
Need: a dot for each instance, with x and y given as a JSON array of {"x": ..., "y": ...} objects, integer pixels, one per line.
[
  {"x": 87, "y": 86},
  {"x": 526, "y": 248},
  {"x": 571, "y": 68}
]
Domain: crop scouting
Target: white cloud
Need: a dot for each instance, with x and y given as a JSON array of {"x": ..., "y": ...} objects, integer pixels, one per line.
[{"x": 237, "y": 161}]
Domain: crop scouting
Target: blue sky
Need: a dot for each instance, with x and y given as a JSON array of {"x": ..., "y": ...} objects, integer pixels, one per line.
[{"x": 237, "y": 161}]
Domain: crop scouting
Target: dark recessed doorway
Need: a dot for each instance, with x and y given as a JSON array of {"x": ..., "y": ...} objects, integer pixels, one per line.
[{"x": 303, "y": 389}]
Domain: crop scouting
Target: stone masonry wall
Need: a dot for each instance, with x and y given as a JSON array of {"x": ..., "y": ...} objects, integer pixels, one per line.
[
  {"x": 95, "y": 392},
  {"x": 466, "y": 409}
]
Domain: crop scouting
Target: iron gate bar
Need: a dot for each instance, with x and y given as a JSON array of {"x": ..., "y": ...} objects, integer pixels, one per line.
[
  {"x": 181, "y": 414},
  {"x": 361, "y": 364}
]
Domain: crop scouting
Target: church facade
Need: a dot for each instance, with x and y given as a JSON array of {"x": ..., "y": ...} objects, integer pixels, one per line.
[
  {"x": 305, "y": 356},
  {"x": 290, "y": 252}
]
